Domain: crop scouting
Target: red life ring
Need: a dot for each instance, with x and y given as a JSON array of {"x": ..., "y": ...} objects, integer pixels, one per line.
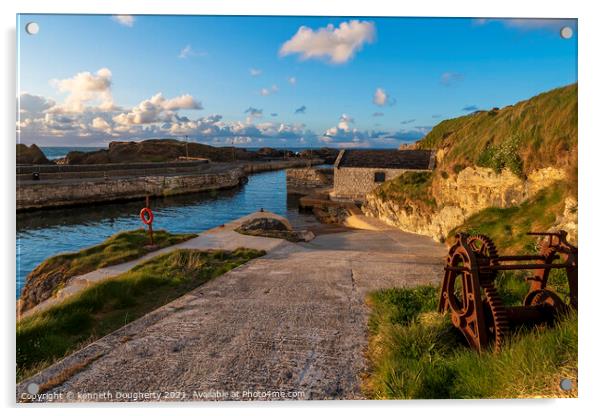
[{"x": 146, "y": 215}]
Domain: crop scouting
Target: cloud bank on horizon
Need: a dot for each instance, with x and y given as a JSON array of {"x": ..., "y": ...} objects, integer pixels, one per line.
[{"x": 88, "y": 107}]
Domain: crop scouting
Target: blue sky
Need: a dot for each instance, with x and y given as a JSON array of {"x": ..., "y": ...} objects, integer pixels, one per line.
[{"x": 276, "y": 81}]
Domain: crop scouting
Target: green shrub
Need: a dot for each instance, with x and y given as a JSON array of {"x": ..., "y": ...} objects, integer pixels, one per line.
[{"x": 503, "y": 156}]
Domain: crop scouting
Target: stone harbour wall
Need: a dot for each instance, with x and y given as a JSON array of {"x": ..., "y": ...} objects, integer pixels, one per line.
[
  {"x": 355, "y": 183},
  {"x": 44, "y": 195},
  {"x": 303, "y": 180},
  {"x": 58, "y": 193}
]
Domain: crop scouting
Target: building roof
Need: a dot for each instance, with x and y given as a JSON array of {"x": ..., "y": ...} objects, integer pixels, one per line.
[{"x": 385, "y": 159}]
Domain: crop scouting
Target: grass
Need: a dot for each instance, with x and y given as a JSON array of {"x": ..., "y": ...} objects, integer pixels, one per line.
[
  {"x": 415, "y": 352},
  {"x": 508, "y": 227},
  {"x": 47, "y": 336},
  {"x": 411, "y": 189},
  {"x": 542, "y": 130},
  {"x": 128, "y": 245}
]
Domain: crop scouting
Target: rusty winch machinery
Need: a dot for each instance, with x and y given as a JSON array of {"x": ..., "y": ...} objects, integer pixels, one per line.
[{"x": 469, "y": 293}]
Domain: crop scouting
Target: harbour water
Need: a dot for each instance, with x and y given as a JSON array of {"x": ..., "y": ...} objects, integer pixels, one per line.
[
  {"x": 41, "y": 234},
  {"x": 59, "y": 152}
]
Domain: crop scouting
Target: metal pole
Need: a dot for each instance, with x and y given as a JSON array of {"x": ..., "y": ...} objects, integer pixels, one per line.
[{"x": 150, "y": 226}]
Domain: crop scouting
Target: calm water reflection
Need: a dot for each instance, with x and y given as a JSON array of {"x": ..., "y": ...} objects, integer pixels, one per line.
[{"x": 42, "y": 234}]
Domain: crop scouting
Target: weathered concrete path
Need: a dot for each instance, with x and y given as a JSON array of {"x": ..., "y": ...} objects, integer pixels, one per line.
[{"x": 289, "y": 325}]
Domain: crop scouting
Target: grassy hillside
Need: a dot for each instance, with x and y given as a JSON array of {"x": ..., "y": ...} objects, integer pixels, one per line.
[{"x": 532, "y": 134}]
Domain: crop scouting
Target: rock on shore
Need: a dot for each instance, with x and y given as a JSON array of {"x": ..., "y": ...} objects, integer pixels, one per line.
[{"x": 31, "y": 155}]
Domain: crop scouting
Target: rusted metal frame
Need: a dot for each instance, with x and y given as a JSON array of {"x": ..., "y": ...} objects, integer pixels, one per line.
[
  {"x": 478, "y": 271},
  {"x": 521, "y": 258},
  {"x": 511, "y": 267}
]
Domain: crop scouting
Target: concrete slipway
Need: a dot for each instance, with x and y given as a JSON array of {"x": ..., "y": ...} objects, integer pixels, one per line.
[{"x": 289, "y": 325}]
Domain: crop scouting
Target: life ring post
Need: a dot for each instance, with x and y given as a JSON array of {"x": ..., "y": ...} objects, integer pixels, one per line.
[{"x": 147, "y": 217}]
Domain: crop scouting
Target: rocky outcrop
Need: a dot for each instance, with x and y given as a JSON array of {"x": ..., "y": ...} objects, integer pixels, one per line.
[
  {"x": 457, "y": 198},
  {"x": 31, "y": 155},
  {"x": 167, "y": 150},
  {"x": 568, "y": 221},
  {"x": 327, "y": 153},
  {"x": 273, "y": 228},
  {"x": 157, "y": 151}
]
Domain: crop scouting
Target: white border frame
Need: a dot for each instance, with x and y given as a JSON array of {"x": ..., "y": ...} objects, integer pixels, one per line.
[{"x": 589, "y": 196}]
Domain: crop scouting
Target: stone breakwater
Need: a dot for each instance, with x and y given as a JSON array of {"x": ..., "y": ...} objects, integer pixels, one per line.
[
  {"x": 459, "y": 197},
  {"x": 136, "y": 184}
]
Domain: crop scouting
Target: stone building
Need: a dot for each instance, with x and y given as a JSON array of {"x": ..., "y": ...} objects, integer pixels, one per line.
[{"x": 357, "y": 172}]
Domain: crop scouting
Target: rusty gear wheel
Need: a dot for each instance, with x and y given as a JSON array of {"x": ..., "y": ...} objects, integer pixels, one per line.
[
  {"x": 483, "y": 246},
  {"x": 486, "y": 253},
  {"x": 496, "y": 317},
  {"x": 546, "y": 298}
]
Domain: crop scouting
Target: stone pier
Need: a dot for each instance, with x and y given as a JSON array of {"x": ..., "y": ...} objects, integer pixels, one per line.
[{"x": 50, "y": 187}]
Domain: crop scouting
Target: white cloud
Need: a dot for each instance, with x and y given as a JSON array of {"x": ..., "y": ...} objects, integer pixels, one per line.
[
  {"x": 339, "y": 45},
  {"x": 381, "y": 98},
  {"x": 183, "y": 102},
  {"x": 450, "y": 78},
  {"x": 530, "y": 24},
  {"x": 292, "y": 80},
  {"x": 85, "y": 89},
  {"x": 157, "y": 109},
  {"x": 268, "y": 91},
  {"x": 255, "y": 72},
  {"x": 188, "y": 51},
  {"x": 99, "y": 123},
  {"x": 343, "y": 132},
  {"x": 124, "y": 19}
]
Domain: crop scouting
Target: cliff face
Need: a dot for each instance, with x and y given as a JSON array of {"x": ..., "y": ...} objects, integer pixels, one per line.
[
  {"x": 459, "y": 197},
  {"x": 479, "y": 168}
]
